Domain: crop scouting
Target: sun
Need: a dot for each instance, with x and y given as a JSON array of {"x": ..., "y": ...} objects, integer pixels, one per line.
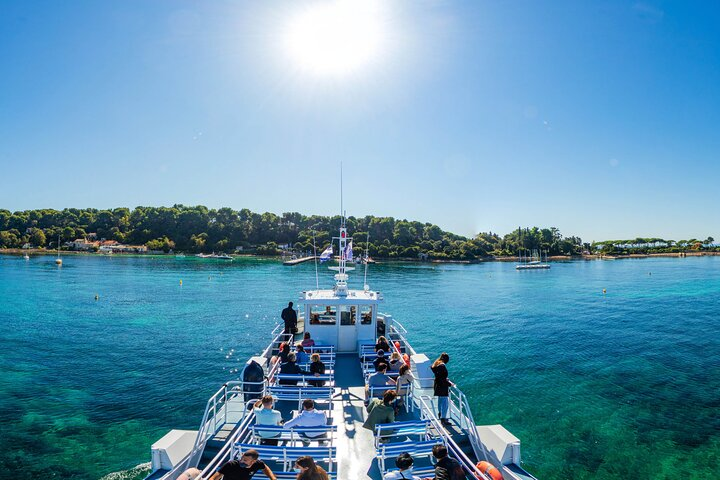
[{"x": 335, "y": 38}]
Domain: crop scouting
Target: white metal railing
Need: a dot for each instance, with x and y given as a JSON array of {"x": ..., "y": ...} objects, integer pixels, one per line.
[
  {"x": 427, "y": 413},
  {"x": 241, "y": 434}
]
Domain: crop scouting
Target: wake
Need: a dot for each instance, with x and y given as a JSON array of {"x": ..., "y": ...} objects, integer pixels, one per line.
[{"x": 137, "y": 472}]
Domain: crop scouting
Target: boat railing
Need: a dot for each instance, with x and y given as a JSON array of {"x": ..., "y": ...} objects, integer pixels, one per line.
[
  {"x": 241, "y": 434},
  {"x": 454, "y": 450},
  {"x": 461, "y": 413},
  {"x": 398, "y": 330}
]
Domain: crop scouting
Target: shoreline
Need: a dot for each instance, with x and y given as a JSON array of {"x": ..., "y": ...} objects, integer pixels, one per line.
[{"x": 556, "y": 258}]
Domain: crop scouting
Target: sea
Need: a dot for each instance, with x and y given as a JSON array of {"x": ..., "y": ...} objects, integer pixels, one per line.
[{"x": 603, "y": 369}]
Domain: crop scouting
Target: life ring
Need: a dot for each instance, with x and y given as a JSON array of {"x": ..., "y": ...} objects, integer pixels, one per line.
[
  {"x": 397, "y": 345},
  {"x": 489, "y": 469},
  {"x": 406, "y": 359}
]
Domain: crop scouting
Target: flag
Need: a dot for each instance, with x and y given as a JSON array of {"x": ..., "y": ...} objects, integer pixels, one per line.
[
  {"x": 348, "y": 252},
  {"x": 326, "y": 254}
]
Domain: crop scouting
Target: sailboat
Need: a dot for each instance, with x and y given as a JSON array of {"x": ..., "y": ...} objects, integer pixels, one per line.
[{"x": 58, "y": 260}]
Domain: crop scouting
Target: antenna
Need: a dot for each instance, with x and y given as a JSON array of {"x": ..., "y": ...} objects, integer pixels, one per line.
[
  {"x": 317, "y": 280},
  {"x": 342, "y": 210},
  {"x": 367, "y": 259}
]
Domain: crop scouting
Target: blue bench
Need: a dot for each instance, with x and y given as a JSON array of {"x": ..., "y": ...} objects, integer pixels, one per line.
[
  {"x": 329, "y": 379},
  {"x": 293, "y": 434},
  {"x": 386, "y": 451},
  {"x": 287, "y": 455},
  {"x": 413, "y": 428}
]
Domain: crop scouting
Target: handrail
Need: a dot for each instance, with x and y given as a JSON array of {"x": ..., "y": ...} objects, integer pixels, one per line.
[
  {"x": 227, "y": 449},
  {"x": 453, "y": 448},
  {"x": 465, "y": 415}
]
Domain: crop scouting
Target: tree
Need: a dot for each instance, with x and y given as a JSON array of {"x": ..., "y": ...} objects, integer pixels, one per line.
[{"x": 37, "y": 238}]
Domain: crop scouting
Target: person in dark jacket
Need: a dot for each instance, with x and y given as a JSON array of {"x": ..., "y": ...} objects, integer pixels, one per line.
[
  {"x": 316, "y": 368},
  {"x": 441, "y": 386},
  {"x": 289, "y": 316},
  {"x": 382, "y": 344},
  {"x": 381, "y": 359},
  {"x": 290, "y": 367},
  {"x": 446, "y": 468}
]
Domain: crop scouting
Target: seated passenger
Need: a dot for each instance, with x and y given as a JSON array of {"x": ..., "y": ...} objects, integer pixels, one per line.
[
  {"x": 382, "y": 344},
  {"x": 307, "y": 469},
  {"x": 381, "y": 411},
  {"x": 307, "y": 341},
  {"x": 395, "y": 362},
  {"x": 446, "y": 466},
  {"x": 309, "y": 417},
  {"x": 291, "y": 368},
  {"x": 316, "y": 368},
  {"x": 301, "y": 357},
  {"x": 404, "y": 462},
  {"x": 378, "y": 379},
  {"x": 243, "y": 468},
  {"x": 284, "y": 352},
  {"x": 380, "y": 360},
  {"x": 265, "y": 415},
  {"x": 404, "y": 380}
]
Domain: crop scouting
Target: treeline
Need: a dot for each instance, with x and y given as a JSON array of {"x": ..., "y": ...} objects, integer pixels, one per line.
[{"x": 199, "y": 229}]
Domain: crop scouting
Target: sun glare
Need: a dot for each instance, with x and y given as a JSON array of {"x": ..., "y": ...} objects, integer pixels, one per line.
[{"x": 335, "y": 38}]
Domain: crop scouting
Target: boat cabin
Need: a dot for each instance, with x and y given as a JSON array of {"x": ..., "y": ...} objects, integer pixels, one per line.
[{"x": 344, "y": 318}]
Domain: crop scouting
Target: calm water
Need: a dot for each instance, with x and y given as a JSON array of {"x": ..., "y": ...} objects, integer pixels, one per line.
[{"x": 596, "y": 386}]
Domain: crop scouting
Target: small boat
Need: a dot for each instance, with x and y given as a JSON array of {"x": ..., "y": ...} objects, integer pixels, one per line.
[
  {"x": 534, "y": 262},
  {"x": 26, "y": 256},
  {"x": 58, "y": 260},
  {"x": 223, "y": 257}
]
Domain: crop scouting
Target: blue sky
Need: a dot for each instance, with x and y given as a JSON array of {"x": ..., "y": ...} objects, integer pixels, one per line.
[{"x": 599, "y": 118}]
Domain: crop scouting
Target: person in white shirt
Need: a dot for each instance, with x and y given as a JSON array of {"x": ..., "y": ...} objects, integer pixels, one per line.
[
  {"x": 404, "y": 462},
  {"x": 309, "y": 417},
  {"x": 265, "y": 415}
]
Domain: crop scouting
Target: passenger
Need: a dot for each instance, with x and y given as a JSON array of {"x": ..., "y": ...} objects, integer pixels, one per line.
[
  {"x": 244, "y": 468},
  {"x": 291, "y": 368},
  {"x": 404, "y": 380},
  {"x": 446, "y": 468},
  {"x": 265, "y": 415},
  {"x": 284, "y": 351},
  {"x": 307, "y": 341},
  {"x": 404, "y": 462},
  {"x": 309, "y": 417},
  {"x": 381, "y": 411},
  {"x": 289, "y": 316},
  {"x": 316, "y": 368},
  {"x": 378, "y": 379},
  {"x": 380, "y": 360},
  {"x": 300, "y": 354},
  {"x": 307, "y": 469},
  {"x": 189, "y": 474},
  {"x": 395, "y": 362},
  {"x": 382, "y": 344},
  {"x": 441, "y": 386}
]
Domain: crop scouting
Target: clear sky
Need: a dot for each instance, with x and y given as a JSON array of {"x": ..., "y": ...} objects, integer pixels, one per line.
[{"x": 600, "y": 118}]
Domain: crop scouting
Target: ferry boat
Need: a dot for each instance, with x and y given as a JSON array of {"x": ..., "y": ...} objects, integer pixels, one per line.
[{"x": 345, "y": 324}]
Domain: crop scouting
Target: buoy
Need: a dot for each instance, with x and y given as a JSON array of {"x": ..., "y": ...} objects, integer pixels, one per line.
[
  {"x": 406, "y": 359},
  {"x": 397, "y": 344},
  {"x": 181, "y": 283},
  {"x": 489, "y": 469},
  {"x": 604, "y": 291},
  {"x": 97, "y": 296}
]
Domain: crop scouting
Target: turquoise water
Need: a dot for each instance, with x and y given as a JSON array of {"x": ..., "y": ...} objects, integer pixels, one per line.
[{"x": 621, "y": 385}]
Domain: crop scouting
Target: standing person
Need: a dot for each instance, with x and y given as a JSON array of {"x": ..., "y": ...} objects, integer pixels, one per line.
[
  {"x": 441, "y": 386},
  {"x": 307, "y": 469},
  {"x": 243, "y": 468},
  {"x": 289, "y": 316}
]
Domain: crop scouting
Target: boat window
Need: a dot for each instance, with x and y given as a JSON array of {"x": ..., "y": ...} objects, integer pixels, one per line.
[
  {"x": 366, "y": 314},
  {"x": 347, "y": 314},
  {"x": 322, "y": 315}
]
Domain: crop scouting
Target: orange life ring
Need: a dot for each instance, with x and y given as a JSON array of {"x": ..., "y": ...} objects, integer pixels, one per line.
[
  {"x": 406, "y": 359},
  {"x": 489, "y": 469},
  {"x": 397, "y": 344}
]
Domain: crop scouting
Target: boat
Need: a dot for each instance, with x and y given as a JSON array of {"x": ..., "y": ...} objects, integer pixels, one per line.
[
  {"x": 26, "y": 256},
  {"x": 58, "y": 260},
  {"x": 345, "y": 324},
  {"x": 534, "y": 262},
  {"x": 222, "y": 256}
]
